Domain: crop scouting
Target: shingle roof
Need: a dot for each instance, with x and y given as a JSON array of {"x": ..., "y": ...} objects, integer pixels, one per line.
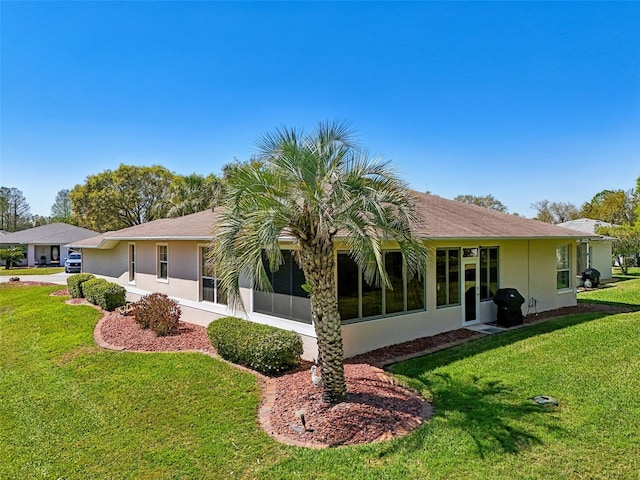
[
  {"x": 441, "y": 218},
  {"x": 585, "y": 225},
  {"x": 438, "y": 218},
  {"x": 50, "y": 234},
  {"x": 196, "y": 226}
]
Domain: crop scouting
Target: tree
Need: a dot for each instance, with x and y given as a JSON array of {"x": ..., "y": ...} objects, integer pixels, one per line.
[
  {"x": 15, "y": 212},
  {"x": 10, "y": 257},
  {"x": 487, "y": 201},
  {"x": 121, "y": 198},
  {"x": 555, "y": 212},
  {"x": 61, "y": 208},
  {"x": 626, "y": 243},
  {"x": 312, "y": 187},
  {"x": 612, "y": 206},
  {"x": 191, "y": 194}
]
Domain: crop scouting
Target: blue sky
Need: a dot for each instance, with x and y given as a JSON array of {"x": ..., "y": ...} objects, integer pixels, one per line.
[{"x": 524, "y": 101}]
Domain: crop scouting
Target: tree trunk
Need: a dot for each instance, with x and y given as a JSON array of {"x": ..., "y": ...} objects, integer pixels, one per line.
[{"x": 318, "y": 265}]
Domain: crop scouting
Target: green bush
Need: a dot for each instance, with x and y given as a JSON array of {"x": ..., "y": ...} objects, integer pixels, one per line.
[
  {"x": 74, "y": 283},
  {"x": 91, "y": 288},
  {"x": 157, "y": 312},
  {"x": 263, "y": 348},
  {"x": 107, "y": 295}
]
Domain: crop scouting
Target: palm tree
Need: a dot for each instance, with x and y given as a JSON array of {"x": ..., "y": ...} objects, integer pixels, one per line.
[
  {"x": 314, "y": 188},
  {"x": 192, "y": 193}
]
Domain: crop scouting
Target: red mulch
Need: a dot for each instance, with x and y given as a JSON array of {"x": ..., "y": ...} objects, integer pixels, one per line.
[{"x": 123, "y": 332}]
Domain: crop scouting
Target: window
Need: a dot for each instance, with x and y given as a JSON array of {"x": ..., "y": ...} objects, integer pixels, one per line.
[
  {"x": 563, "y": 278},
  {"x": 132, "y": 263},
  {"x": 448, "y": 277},
  {"x": 488, "y": 273},
  {"x": 359, "y": 300},
  {"x": 288, "y": 299},
  {"x": 162, "y": 268},
  {"x": 583, "y": 257},
  {"x": 210, "y": 290}
]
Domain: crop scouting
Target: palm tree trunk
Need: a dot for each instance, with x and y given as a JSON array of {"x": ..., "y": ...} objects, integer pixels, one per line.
[{"x": 318, "y": 265}]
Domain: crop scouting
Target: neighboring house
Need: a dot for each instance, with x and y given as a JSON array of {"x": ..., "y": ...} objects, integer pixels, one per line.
[
  {"x": 46, "y": 244},
  {"x": 594, "y": 253},
  {"x": 474, "y": 251}
]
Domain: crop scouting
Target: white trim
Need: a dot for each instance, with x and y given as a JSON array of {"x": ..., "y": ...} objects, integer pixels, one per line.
[
  {"x": 158, "y": 269},
  {"x": 130, "y": 263}
]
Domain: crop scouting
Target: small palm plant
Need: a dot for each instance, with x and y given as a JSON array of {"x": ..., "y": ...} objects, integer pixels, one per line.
[
  {"x": 11, "y": 257},
  {"x": 314, "y": 188}
]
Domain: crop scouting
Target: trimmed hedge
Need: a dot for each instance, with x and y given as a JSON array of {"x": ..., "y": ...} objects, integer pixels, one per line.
[
  {"x": 157, "y": 312},
  {"x": 106, "y": 295},
  {"x": 263, "y": 348},
  {"x": 74, "y": 283}
]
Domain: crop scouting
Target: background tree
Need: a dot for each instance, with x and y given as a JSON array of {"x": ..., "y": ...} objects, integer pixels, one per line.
[
  {"x": 192, "y": 193},
  {"x": 61, "y": 209},
  {"x": 310, "y": 187},
  {"x": 555, "y": 212},
  {"x": 487, "y": 201},
  {"x": 625, "y": 245},
  {"x": 15, "y": 213},
  {"x": 612, "y": 206},
  {"x": 121, "y": 198}
]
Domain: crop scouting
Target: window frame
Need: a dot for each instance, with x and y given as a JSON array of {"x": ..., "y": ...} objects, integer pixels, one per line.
[
  {"x": 487, "y": 281},
  {"x": 384, "y": 292},
  {"x": 160, "y": 262},
  {"x": 131, "y": 262},
  {"x": 217, "y": 295},
  {"x": 292, "y": 274},
  {"x": 563, "y": 268},
  {"x": 447, "y": 277}
]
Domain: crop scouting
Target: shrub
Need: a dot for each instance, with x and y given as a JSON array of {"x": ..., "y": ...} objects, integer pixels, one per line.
[
  {"x": 157, "y": 312},
  {"x": 91, "y": 288},
  {"x": 74, "y": 284},
  {"x": 263, "y": 348},
  {"x": 107, "y": 295}
]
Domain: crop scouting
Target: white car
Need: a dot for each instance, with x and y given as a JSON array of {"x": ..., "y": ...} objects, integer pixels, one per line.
[{"x": 73, "y": 263}]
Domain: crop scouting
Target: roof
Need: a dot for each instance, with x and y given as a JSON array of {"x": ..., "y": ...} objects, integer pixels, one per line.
[
  {"x": 585, "y": 225},
  {"x": 441, "y": 218},
  {"x": 197, "y": 226},
  {"x": 50, "y": 234},
  {"x": 438, "y": 218}
]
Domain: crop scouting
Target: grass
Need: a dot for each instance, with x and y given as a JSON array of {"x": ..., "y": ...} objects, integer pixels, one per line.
[
  {"x": 17, "y": 271},
  {"x": 71, "y": 410},
  {"x": 625, "y": 292}
]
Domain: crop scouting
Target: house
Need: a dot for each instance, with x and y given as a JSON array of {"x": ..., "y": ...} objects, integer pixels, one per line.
[
  {"x": 46, "y": 244},
  {"x": 474, "y": 251},
  {"x": 594, "y": 253}
]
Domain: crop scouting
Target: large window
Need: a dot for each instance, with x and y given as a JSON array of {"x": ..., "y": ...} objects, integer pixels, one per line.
[
  {"x": 162, "y": 267},
  {"x": 210, "y": 290},
  {"x": 488, "y": 272},
  {"x": 132, "y": 263},
  {"x": 359, "y": 300},
  {"x": 448, "y": 277},
  {"x": 563, "y": 264},
  {"x": 288, "y": 299}
]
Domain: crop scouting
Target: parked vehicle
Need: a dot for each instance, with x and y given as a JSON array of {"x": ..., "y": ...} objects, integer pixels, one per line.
[{"x": 73, "y": 263}]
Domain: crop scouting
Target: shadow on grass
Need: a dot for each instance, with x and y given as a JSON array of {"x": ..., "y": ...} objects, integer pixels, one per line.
[
  {"x": 630, "y": 306},
  {"x": 494, "y": 417},
  {"x": 487, "y": 412}
]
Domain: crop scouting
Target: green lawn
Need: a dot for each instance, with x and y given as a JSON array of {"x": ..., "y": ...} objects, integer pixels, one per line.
[
  {"x": 623, "y": 292},
  {"x": 71, "y": 410},
  {"x": 18, "y": 271}
]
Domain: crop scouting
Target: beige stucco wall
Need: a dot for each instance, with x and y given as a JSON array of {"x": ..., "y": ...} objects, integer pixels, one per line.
[
  {"x": 528, "y": 266},
  {"x": 601, "y": 258}
]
